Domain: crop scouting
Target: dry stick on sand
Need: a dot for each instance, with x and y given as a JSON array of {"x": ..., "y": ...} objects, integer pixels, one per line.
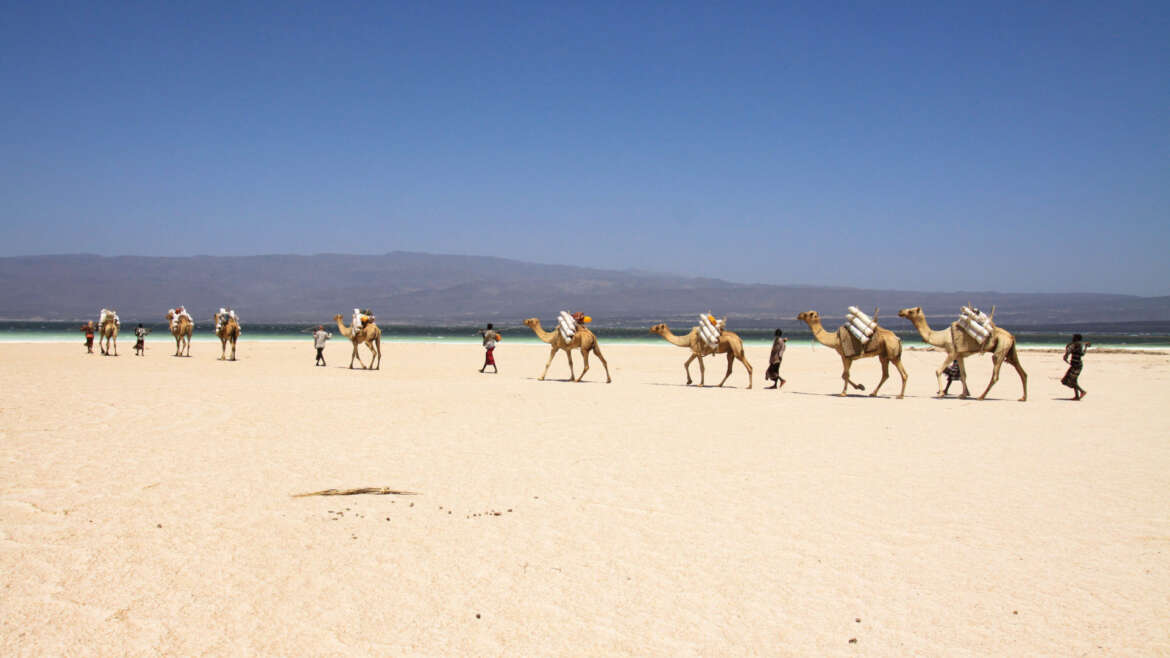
[{"x": 377, "y": 491}]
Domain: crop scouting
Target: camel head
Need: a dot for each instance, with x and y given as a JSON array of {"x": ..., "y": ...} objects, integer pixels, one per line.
[
  {"x": 911, "y": 314},
  {"x": 532, "y": 323},
  {"x": 170, "y": 314},
  {"x": 809, "y": 317},
  {"x": 659, "y": 328}
]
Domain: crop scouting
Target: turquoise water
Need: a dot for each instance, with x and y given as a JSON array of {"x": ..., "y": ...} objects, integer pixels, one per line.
[{"x": 1150, "y": 336}]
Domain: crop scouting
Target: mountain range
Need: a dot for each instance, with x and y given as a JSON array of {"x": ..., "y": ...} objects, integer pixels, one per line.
[{"x": 417, "y": 288}]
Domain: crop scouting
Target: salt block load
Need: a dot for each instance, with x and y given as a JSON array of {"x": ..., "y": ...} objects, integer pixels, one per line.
[
  {"x": 975, "y": 323},
  {"x": 222, "y": 317},
  {"x": 108, "y": 313},
  {"x": 710, "y": 329},
  {"x": 859, "y": 324},
  {"x": 180, "y": 312},
  {"x": 566, "y": 324}
]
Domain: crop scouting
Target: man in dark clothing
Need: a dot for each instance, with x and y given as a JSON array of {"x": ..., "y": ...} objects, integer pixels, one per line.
[
  {"x": 778, "y": 346},
  {"x": 953, "y": 373},
  {"x": 87, "y": 329},
  {"x": 1074, "y": 352}
]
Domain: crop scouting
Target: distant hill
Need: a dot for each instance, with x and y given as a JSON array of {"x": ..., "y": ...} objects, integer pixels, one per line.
[{"x": 417, "y": 288}]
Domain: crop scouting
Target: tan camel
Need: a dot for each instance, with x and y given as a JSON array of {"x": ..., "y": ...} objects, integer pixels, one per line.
[
  {"x": 582, "y": 339},
  {"x": 884, "y": 344},
  {"x": 108, "y": 335},
  {"x": 959, "y": 345},
  {"x": 181, "y": 330},
  {"x": 729, "y": 343},
  {"x": 371, "y": 335},
  {"x": 229, "y": 331}
]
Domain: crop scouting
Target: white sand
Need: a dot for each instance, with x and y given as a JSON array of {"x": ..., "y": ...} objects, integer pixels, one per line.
[{"x": 145, "y": 507}]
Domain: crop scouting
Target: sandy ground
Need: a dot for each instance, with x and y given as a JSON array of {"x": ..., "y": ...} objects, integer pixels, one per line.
[{"x": 146, "y": 507}]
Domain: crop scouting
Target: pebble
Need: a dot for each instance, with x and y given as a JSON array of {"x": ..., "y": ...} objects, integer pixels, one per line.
[
  {"x": 477, "y": 615},
  {"x": 852, "y": 640},
  {"x": 160, "y": 525}
]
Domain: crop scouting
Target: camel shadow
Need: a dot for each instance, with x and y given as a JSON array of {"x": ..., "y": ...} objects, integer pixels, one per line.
[{"x": 695, "y": 386}]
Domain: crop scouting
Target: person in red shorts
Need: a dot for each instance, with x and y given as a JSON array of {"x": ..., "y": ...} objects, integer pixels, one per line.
[
  {"x": 490, "y": 338},
  {"x": 87, "y": 328}
]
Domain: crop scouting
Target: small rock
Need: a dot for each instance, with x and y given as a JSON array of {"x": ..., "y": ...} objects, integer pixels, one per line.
[
  {"x": 160, "y": 525},
  {"x": 477, "y": 615},
  {"x": 1015, "y": 612},
  {"x": 858, "y": 620},
  {"x": 852, "y": 640}
]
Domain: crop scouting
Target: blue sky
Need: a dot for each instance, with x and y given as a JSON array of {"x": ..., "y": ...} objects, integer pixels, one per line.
[{"x": 931, "y": 146}]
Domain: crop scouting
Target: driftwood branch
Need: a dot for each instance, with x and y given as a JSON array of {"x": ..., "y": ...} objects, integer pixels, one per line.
[{"x": 377, "y": 491}]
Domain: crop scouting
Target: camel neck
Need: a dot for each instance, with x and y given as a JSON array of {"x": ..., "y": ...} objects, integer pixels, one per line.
[{"x": 823, "y": 337}]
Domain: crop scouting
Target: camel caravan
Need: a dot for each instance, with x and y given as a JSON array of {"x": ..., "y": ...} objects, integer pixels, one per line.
[{"x": 859, "y": 337}]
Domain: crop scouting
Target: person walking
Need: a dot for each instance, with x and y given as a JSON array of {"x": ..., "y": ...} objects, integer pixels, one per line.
[
  {"x": 319, "y": 338},
  {"x": 1074, "y": 352},
  {"x": 953, "y": 373},
  {"x": 87, "y": 329},
  {"x": 779, "y": 344},
  {"x": 140, "y": 342},
  {"x": 490, "y": 338}
]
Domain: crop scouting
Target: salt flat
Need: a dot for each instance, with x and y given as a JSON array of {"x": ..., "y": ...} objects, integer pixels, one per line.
[{"x": 146, "y": 506}]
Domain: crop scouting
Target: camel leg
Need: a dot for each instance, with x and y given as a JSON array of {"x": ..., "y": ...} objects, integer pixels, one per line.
[
  {"x": 702, "y": 373},
  {"x": 905, "y": 377},
  {"x": 687, "y": 367},
  {"x": 846, "y": 363},
  {"x": 963, "y": 378},
  {"x": 939, "y": 373},
  {"x": 584, "y": 368},
  {"x": 379, "y": 343},
  {"x": 743, "y": 359},
  {"x": 569, "y": 355},
  {"x": 1014, "y": 359},
  {"x": 597, "y": 352},
  {"x": 115, "y": 346},
  {"x": 885, "y": 375},
  {"x": 233, "y": 349},
  {"x": 356, "y": 355},
  {"x": 998, "y": 361},
  {"x": 552, "y": 352},
  {"x": 373, "y": 355},
  {"x": 730, "y": 361}
]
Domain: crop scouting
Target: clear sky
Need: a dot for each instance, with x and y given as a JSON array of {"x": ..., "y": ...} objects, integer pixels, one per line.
[{"x": 1017, "y": 146}]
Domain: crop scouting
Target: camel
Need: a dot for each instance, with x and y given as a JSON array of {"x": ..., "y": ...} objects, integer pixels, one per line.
[
  {"x": 229, "y": 331},
  {"x": 729, "y": 343},
  {"x": 181, "y": 330},
  {"x": 582, "y": 339},
  {"x": 108, "y": 334},
  {"x": 884, "y": 344},
  {"x": 371, "y": 335},
  {"x": 959, "y": 345}
]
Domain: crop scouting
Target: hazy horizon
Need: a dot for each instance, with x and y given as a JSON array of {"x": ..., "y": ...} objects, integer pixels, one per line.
[{"x": 920, "y": 146}]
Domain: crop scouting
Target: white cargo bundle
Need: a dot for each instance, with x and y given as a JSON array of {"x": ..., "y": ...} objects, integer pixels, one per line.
[
  {"x": 859, "y": 324},
  {"x": 183, "y": 314},
  {"x": 975, "y": 323},
  {"x": 223, "y": 316},
  {"x": 709, "y": 331},
  {"x": 108, "y": 313},
  {"x": 567, "y": 325}
]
